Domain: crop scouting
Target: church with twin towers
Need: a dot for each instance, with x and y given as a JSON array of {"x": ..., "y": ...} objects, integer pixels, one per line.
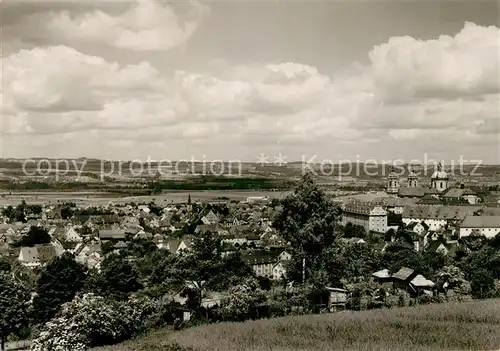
[{"x": 439, "y": 183}]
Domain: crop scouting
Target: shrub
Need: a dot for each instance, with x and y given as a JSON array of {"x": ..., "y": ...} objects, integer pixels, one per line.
[
  {"x": 90, "y": 320},
  {"x": 242, "y": 300},
  {"x": 86, "y": 321},
  {"x": 148, "y": 313}
]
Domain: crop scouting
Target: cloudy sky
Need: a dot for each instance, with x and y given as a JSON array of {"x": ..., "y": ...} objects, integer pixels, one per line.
[{"x": 234, "y": 79}]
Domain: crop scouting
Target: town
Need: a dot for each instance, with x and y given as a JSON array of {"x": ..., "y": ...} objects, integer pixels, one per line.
[{"x": 306, "y": 251}]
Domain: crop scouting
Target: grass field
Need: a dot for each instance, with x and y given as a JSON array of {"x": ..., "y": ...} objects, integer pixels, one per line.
[{"x": 454, "y": 326}]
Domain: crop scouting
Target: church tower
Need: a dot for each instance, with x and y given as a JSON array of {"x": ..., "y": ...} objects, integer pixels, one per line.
[
  {"x": 392, "y": 183},
  {"x": 412, "y": 178},
  {"x": 439, "y": 179}
]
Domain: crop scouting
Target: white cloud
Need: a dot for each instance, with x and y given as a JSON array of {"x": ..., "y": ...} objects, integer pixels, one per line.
[
  {"x": 435, "y": 94},
  {"x": 61, "y": 79},
  {"x": 466, "y": 65},
  {"x": 146, "y": 25}
]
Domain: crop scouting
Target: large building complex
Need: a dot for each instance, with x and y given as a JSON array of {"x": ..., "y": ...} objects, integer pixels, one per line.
[
  {"x": 489, "y": 226},
  {"x": 372, "y": 217}
]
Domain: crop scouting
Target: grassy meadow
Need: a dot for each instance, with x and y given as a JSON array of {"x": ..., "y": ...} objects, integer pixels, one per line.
[{"x": 471, "y": 325}]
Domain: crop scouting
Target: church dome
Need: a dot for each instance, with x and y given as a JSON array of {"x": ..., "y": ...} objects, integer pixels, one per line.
[
  {"x": 411, "y": 174},
  {"x": 392, "y": 175},
  {"x": 440, "y": 174}
]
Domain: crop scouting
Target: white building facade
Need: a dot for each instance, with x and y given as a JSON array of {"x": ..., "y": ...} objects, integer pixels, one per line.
[
  {"x": 489, "y": 226},
  {"x": 369, "y": 216}
]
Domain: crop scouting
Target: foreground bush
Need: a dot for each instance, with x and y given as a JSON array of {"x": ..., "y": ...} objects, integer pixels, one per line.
[
  {"x": 91, "y": 320},
  {"x": 242, "y": 299}
]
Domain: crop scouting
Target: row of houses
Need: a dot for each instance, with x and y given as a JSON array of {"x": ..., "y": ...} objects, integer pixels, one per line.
[{"x": 465, "y": 220}]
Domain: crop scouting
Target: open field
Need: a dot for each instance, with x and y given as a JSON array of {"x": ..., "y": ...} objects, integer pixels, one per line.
[
  {"x": 103, "y": 198},
  {"x": 471, "y": 325}
]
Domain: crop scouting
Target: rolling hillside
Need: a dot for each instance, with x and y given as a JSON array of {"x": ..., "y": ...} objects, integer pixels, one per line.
[{"x": 453, "y": 326}]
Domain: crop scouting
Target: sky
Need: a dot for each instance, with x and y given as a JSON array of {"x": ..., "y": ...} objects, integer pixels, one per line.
[{"x": 231, "y": 80}]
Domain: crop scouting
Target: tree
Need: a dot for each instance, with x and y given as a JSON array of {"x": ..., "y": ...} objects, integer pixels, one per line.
[
  {"x": 452, "y": 278},
  {"x": 4, "y": 265},
  {"x": 345, "y": 262},
  {"x": 401, "y": 254},
  {"x": 155, "y": 209},
  {"x": 58, "y": 283},
  {"x": 35, "y": 236},
  {"x": 242, "y": 299},
  {"x": 482, "y": 283},
  {"x": 394, "y": 219},
  {"x": 15, "y": 214},
  {"x": 117, "y": 278},
  {"x": 354, "y": 231},
  {"x": 481, "y": 268},
  {"x": 66, "y": 212},
  {"x": 35, "y": 209},
  {"x": 14, "y": 300},
  {"x": 307, "y": 219}
]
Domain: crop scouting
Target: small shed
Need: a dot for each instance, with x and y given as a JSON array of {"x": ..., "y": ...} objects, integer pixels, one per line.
[
  {"x": 402, "y": 278},
  {"x": 382, "y": 276},
  {"x": 337, "y": 298},
  {"x": 421, "y": 285}
]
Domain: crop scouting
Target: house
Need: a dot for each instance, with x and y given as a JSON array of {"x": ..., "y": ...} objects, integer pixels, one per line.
[
  {"x": 177, "y": 246},
  {"x": 52, "y": 216},
  {"x": 120, "y": 245},
  {"x": 142, "y": 235},
  {"x": 144, "y": 208},
  {"x": 257, "y": 200},
  {"x": 159, "y": 240},
  {"x": 489, "y": 226},
  {"x": 71, "y": 235},
  {"x": 279, "y": 271},
  {"x": 430, "y": 199},
  {"x": 370, "y": 216},
  {"x": 439, "y": 246},
  {"x": 28, "y": 256},
  {"x": 130, "y": 221},
  {"x": 185, "y": 244},
  {"x": 436, "y": 217},
  {"x": 263, "y": 262},
  {"x": 36, "y": 256},
  {"x": 213, "y": 299},
  {"x": 352, "y": 241},
  {"x": 112, "y": 234},
  {"x": 235, "y": 239},
  {"x": 396, "y": 205},
  {"x": 86, "y": 252},
  {"x": 419, "y": 228},
  {"x": 210, "y": 218},
  {"x": 62, "y": 246},
  {"x": 455, "y": 195},
  {"x": 80, "y": 219},
  {"x": 418, "y": 192},
  {"x": 204, "y": 228},
  {"x": 133, "y": 230}
]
